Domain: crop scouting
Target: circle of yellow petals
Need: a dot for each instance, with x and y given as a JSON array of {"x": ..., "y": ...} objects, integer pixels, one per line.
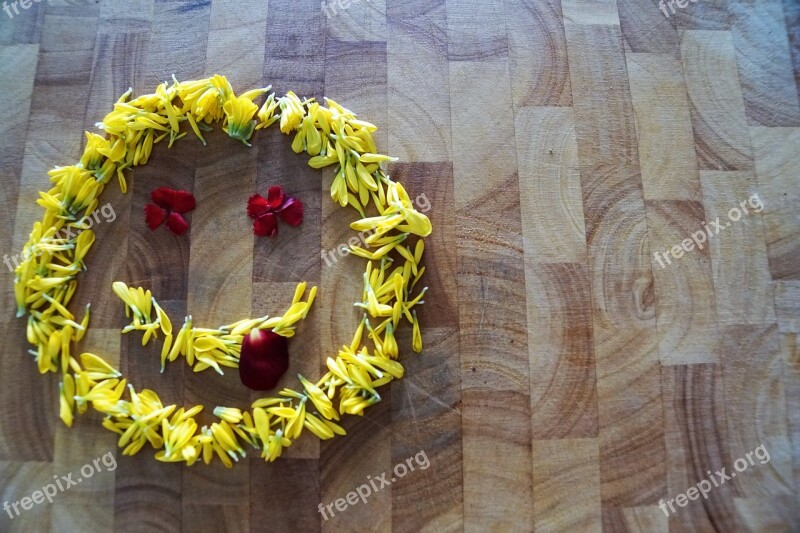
[{"x": 53, "y": 256}]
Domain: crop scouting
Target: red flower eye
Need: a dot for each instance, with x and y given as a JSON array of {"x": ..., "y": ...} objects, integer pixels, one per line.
[
  {"x": 175, "y": 200},
  {"x": 266, "y": 225},
  {"x": 291, "y": 211},
  {"x": 275, "y": 196},
  {"x": 169, "y": 205},
  {"x": 154, "y": 216},
  {"x": 263, "y": 210},
  {"x": 257, "y": 205},
  {"x": 177, "y": 224}
]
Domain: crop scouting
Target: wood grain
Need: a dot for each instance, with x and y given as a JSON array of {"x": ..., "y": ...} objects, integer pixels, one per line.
[
  {"x": 561, "y": 346},
  {"x": 738, "y": 250},
  {"x": 537, "y": 53},
  {"x": 663, "y": 124},
  {"x": 756, "y": 381},
  {"x": 416, "y": 74},
  {"x": 775, "y": 152},
  {"x": 490, "y": 304},
  {"x": 717, "y": 104},
  {"x": 552, "y": 209},
  {"x": 697, "y": 442},
  {"x": 566, "y": 481},
  {"x": 684, "y": 285},
  {"x": 572, "y": 379},
  {"x": 623, "y": 313},
  {"x": 762, "y": 48},
  {"x": 427, "y": 419},
  {"x": 646, "y": 30}
]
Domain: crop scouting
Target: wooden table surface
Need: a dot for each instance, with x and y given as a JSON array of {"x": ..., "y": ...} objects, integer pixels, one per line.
[{"x": 586, "y": 363}]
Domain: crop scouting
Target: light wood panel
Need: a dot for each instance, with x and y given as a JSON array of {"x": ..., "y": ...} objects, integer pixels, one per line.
[
  {"x": 717, "y": 104},
  {"x": 572, "y": 377},
  {"x": 491, "y": 307},
  {"x": 775, "y": 152}
]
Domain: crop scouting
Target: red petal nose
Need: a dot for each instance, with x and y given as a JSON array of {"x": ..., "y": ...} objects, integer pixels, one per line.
[{"x": 263, "y": 360}]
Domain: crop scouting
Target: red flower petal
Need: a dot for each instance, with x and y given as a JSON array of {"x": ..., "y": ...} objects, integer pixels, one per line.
[
  {"x": 183, "y": 201},
  {"x": 177, "y": 224},
  {"x": 154, "y": 216},
  {"x": 275, "y": 196},
  {"x": 178, "y": 201},
  {"x": 162, "y": 197},
  {"x": 291, "y": 211},
  {"x": 257, "y": 205},
  {"x": 266, "y": 225},
  {"x": 263, "y": 360}
]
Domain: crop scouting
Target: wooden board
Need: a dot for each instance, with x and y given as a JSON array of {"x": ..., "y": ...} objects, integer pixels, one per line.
[{"x": 586, "y": 362}]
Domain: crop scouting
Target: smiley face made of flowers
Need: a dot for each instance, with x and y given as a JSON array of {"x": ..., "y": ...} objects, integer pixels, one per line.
[{"x": 46, "y": 279}]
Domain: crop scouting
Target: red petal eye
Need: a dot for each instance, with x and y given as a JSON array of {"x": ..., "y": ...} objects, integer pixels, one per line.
[
  {"x": 266, "y": 225},
  {"x": 256, "y": 206},
  {"x": 179, "y": 201},
  {"x": 292, "y": 211},
  {"x": 177, "y": 224},
  {"x": 161, "y": 197},
  {"x": 264, "y": 210},
  {"x": 182, "y": 201},
  {"x": 154, "y": 216},
  {"x": 275, "y": 197}
]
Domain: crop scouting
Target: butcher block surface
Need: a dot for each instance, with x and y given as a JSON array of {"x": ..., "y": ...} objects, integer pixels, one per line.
[{"x": 602, "y": 333}]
